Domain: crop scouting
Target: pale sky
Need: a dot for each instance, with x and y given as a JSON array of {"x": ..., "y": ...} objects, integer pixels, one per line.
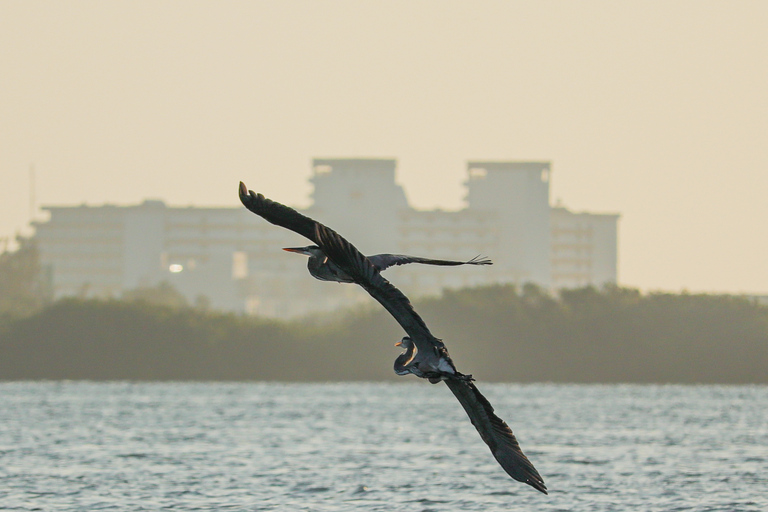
[{"x": 657, "y": 110}]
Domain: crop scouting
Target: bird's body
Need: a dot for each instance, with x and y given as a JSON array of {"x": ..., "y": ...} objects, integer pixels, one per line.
[
  {"x": 424, "y": 355},
  {"x": 420, "y": 365}
]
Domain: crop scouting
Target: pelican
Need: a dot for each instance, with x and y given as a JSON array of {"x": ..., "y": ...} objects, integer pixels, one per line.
[{"x": 424, "y": 355}]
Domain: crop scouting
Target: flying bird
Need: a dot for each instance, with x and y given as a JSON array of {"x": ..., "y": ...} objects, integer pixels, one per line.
[{"x": 424, "y": 355}]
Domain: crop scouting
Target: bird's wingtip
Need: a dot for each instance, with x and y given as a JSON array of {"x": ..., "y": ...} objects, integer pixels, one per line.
[
  {"x": 247, "y": 197},
  {"x": 480, "y": 260},
  {"x": 538, "y": 485}
]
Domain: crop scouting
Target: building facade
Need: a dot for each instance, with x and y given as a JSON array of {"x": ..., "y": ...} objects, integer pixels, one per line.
[{"x": 232, "y": 258}]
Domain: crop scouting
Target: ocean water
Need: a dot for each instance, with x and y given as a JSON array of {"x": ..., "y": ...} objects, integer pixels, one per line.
[{"x": 80, "y": 446}]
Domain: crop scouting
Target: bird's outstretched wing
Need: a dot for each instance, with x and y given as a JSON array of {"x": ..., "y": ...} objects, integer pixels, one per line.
[
  {"x": 277, "y": 213},
  {"x": 496, "y": 434},
  {"x": 383, "y": 261},
  {"x": 364, "y": 273}
]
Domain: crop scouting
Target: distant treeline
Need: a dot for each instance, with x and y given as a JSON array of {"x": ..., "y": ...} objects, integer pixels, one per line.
[{"x": 496, "y": 333}]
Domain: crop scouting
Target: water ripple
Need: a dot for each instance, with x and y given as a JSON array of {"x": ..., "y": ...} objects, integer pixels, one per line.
[{"x": 77, "y": 446}]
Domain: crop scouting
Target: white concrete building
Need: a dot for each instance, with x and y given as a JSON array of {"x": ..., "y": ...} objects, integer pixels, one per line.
[
  {"x": 233, "y": 257},
  {"x": 584, "y": 248}
]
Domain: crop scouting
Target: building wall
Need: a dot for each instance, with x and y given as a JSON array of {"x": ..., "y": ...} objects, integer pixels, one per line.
[
  {"x": 233, "y": 257},
  {"x": 519, "y": 193},
  {"x": 584, "y": 248},
  {"x": 348, "y": 190},
  {"x": 84, "y": 250},
  {"x": 438, "y": 234}
]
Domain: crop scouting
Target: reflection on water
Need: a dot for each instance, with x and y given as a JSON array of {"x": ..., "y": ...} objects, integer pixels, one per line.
[{"x": 389, "y": 447}]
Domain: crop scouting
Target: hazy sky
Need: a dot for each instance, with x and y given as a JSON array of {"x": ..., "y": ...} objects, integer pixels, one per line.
[{"x": 656, "y": 110}]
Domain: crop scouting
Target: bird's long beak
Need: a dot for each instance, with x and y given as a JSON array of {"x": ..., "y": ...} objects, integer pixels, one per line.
[
  {"x": 299, "y": 250},
  {"x": 399, "y": 343}
]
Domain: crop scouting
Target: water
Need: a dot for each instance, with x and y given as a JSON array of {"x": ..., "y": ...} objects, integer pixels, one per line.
[{"x": 377, "y": 447}]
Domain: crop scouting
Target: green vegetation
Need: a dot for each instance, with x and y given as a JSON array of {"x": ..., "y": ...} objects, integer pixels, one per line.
[
  {"x": 497, "y": 333},
  {"x": 23, "y": 286},
  {"x": 613, "y": 335}
]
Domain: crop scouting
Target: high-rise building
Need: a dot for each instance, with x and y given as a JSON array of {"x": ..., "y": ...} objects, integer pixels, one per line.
[
  {"x": 584, "y": 248},
  {"x": 519, "y": 194},
  {"x": 233, "y": 258}
]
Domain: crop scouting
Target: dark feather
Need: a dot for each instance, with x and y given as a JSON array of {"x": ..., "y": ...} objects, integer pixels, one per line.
[
  {"x": 277, "y": 213},
  {"x": 496, "y": 434}
]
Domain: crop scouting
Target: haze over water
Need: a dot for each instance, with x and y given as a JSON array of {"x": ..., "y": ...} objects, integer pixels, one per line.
[{"x": 71, "y": 446}]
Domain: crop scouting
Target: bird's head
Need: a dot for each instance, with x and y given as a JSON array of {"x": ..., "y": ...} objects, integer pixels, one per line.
[
  {"x": 406, "y": 343},
  {"x": 310, "y": 250}
]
